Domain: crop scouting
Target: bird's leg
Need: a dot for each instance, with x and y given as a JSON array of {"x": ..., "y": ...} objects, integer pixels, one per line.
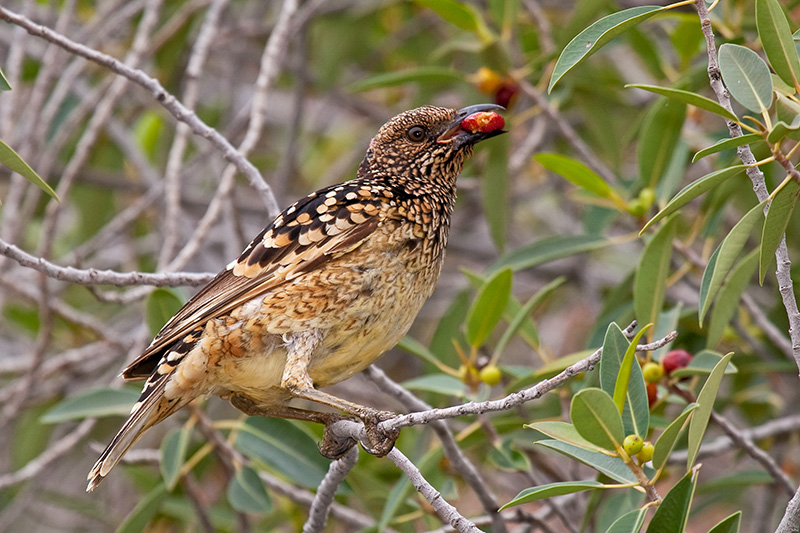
[
  {"x": 332, "y": 446},
  {"x": 296, "y": 379}
]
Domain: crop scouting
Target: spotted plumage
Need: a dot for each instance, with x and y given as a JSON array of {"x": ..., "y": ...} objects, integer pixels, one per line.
[{"x": 333, "y": 282}]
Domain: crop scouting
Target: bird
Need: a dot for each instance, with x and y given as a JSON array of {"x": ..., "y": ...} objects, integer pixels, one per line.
[{"x": 334, "y": 281}]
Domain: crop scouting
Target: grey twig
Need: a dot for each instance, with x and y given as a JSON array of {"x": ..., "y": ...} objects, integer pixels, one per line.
[{"x": 320, "y": 507}]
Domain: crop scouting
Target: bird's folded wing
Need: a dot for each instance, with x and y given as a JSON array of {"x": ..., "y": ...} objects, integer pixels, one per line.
[{"x": 304, "y": 237}]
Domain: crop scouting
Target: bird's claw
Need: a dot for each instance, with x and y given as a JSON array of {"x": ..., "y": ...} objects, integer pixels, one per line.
[{"x": 381, "y": 442}]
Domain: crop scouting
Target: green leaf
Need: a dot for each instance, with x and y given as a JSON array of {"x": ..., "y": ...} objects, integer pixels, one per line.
[
  {"x": 727, "y": 144},
  {"x": 143, "y": 513},
  {"x": 636, "y": 411},
  {"x": 705, "y": 402},
  {"x": 488, "y": 307},
  {"x": 775, "y": 224},
  {"x": 703, "y": 363},
  {"x": 666, "y": 441},
  {"x": 729, "y": 525},
  {"x": 661, "y": 131},
  {"x": 522, "y": 315},
  {"x": 12, "y": 160},
  {"x": 418, "y": 74},
  {"x": 776, "y": 39},
  {"x": 671, "y": 516},
  {"x": 725, "y": 255},
  {"x": 459, "y": 14},
  {"x": 781, "y": 130},
  {"x": 417, "y": 348},
  {"x": 92, "y": 404},
  {"x": 246, "y": 492},
  {"x": 596, "y": 418},
  {"x": 615, "y": 344},
  {"x": 728, "y": 298},
  {"x": 629, "y": 522},
  {"x": 494, "y": 190},
  {"x": 693, "y": 190},
  {"x": 160, "y": 306},
  {"x": 505, "y": 457},
  {"x": 4, "y": 85},
  {"x": 173, "y": 451},
  {"x": 550, "y": 249},
  {"x": 649, "y": 285},
  {"x": 575, "y": 172},
  {"x": 283, "y": 446},
  {"x": 613, "y": 467},
  {"x": 595, "y": 36},
  {"x": 747, "y": 77},
  {"x": 688, "y": 97},
  {"x": 549, "y": 490},
  {"x": 564, "y": 432},
  {"x": 438, "y": 383}
]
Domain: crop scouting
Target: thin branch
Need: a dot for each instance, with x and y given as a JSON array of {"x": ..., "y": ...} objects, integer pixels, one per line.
[
  {"x": 337, "y": 471},
  {"x": 167, "y": 100}
]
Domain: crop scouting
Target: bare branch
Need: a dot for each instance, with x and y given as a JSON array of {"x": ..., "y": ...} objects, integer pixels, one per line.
[{"x": 338, "y": 470}]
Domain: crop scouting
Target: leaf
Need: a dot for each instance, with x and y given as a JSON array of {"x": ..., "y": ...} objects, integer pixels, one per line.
[
  {"x": 636, "y": 411},
  {"x": 666, "y": 441},
  {"x": 12, "y": 160},
  {"x": 595, "y": 36},
  {"x": 596, "y": 418},
  {"x": 671, "y": 516},
  {"x": 776, "y": 39},
  {"x": 281, "y": 445},
  {"x": 629, "y": 522},
  {"x": 4, "y": 85},
  {"x": 417, "y": 348},
  {"x": 613, "y": 467},
  {"x": 418, "y": 74},
  {"x": 693, "y": 190},
  {"x": 549, "y": 490},
  {"x": 459, "y": 14},
  {"x": 649, "y": 284},
  {"x": 705, "y": 402},
  {"x": 725, "y": 255},
  {"x": 564, "y": 432},
  {"x": 661, "y": 131},
  {"x": 780, "y": 211},
  {"x": 747, "y": 77},
  {"x": 246, "y": 492},
  {"x": 634, "y": 397},
  {"x": 160, "y": 306},
  {"x": 577, "y": 173},
  {"x": 702, "y": 364},
  {"x": 173, "y": 451},
  {"x": 488, "y": 307},
  {"x": 92, "y": 404},
  {"x": 505, "y": 457},
  {"x": 688, "y": 97},
  {"x": 438, "y": 383},
  {"x": 728, "y": 298},
  {"x": 143, "y": 513},
  {"x": 615, "y": 343},
  {"x": 727, "y": 144},
  {"x": 729, "y": 525},
  {"x": 550, "y": 249},
  {"x": 781, "y": 130},
  {"x": 494, "y": 190}
]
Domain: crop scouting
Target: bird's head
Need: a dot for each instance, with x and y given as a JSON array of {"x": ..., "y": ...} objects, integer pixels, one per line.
[{"x": 429, "y": 144}]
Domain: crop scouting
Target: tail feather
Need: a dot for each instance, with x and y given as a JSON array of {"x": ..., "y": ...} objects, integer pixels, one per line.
[{"x": 144, "y": 414}]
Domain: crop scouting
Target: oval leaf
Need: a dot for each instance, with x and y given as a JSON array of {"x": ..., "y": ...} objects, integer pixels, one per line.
[
  {"x": 246, "y": 492},
  {"x": 636, "y": 411},
  {"x": 728, "y": 299},
  {"x": 747, "y": 77},
  {"x": 596, "y": 418},
  {"x": 776, "y": 39},
  {"x": 488, "y": 307},
  {"x": 661, "y": 131},
  {"x": 12, "y": 160},
  {"x": 575, "y": 172},
  {"x": 688, "y": 97},
  {"x": 173, "y": 450},
  {"x": 729, "y": 525},
  {"x": 727, "y": 144},
  {"x": 666, "y": 441},
  {"x": 649, "y": 285},
  {"x": 693, "y": 190},
  {"x": 161, "y": 305},
  {"x": 595, "y": 36},
  {"x": 705, "y": 403},
  {"x": 778, "y": 215},
  {"x": 563, "y": 431},
  {"x": 549, "y": 490},
  {"x": 724, "y": 257},
  {"x": 673, "y": 512},
  {"x": 629, "y": 522},
  {"x": 613, "y": 467},
  {"x": 92, "y": 404}
]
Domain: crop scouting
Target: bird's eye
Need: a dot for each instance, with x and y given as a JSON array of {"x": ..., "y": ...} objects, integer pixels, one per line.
[{"x": 415, "y": 134}]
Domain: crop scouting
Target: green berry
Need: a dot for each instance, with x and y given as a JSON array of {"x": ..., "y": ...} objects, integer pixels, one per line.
[
  {"x": 653, "y": 372},
  {"x": 632, "y": 444},
  {"x": 647, "y": 196},
  {"x": 490, "y": 374},
  {"x": 646, "y": 453}
]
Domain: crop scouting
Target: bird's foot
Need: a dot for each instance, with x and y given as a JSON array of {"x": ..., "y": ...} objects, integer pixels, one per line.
[
  {"x": 334, "y": 446},
  {"x": 381, "y": 442}
]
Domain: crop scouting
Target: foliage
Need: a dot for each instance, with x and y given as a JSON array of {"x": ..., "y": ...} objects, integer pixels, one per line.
[{"x": 629, "y": 187}]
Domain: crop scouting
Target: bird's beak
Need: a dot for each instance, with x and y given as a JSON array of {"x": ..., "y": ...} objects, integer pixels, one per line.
[{"x": 455, "y": 132}]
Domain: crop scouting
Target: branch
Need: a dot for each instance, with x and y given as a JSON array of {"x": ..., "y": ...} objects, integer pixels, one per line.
[
  {"x": 167, "y": 100},
  {"x": 321, "y": 506}
]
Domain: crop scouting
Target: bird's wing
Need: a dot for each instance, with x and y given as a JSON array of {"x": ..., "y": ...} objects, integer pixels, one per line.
[{"x": 304, "y": 237}]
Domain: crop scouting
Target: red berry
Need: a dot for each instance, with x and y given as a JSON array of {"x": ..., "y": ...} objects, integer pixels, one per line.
[
  {"x": 652, "y": 394},
  {"x": 484, "y": 122},
  {"x": 675, "y": 359},
  {"x": 505, "y": 93}
]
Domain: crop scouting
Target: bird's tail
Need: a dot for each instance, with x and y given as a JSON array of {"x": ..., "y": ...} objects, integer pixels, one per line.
[{"x": 150, "y": 409}]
